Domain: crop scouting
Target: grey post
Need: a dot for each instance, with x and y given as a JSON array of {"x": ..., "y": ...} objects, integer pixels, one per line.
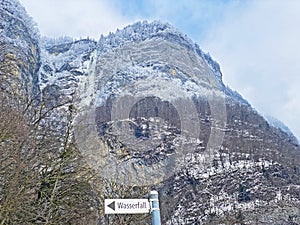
[{"x": 154, "y": 206}]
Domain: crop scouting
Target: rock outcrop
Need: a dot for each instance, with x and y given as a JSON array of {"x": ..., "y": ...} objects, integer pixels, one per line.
[{"x": 20, "y": 51}]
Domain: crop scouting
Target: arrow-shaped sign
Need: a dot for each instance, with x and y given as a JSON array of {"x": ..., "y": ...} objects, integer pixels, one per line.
[
  {"x": 112, "y": 205},
  {"x": 126, "y": 206}
]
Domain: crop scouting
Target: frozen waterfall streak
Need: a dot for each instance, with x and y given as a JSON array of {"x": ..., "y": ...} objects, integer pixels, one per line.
[
  {"x": 86, "y": 89},
  {"x": 85, "y": 129}
]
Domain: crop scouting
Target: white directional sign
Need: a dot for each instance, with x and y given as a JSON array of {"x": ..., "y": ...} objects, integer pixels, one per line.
[{"x": 126, "y": 206}]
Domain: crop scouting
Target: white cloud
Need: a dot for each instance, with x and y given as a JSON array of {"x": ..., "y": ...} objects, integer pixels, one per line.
[
  {"x": 258, "y": 49},
  {"x": 75, "y": 18}
]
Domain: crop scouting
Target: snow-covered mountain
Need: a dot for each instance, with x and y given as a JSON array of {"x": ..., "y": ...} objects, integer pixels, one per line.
[
  {"x": 152, "y": 110},
  {"x": 163, "y": 116}
]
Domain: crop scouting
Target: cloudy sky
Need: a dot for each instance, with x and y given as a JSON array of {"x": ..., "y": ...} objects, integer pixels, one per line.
[{"x": 256, "y": 42}]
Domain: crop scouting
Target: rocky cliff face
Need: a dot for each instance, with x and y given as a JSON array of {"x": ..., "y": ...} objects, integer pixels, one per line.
[
  {"x": 152, "y": 110},
  {"x": 19, "y": 45}
]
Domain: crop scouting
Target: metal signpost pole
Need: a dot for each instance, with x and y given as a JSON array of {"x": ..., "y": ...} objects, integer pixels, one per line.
[{"x": 154, "y": 206}]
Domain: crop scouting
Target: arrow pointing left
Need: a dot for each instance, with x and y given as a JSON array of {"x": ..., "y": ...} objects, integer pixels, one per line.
[{"x": 112, "y": 205}]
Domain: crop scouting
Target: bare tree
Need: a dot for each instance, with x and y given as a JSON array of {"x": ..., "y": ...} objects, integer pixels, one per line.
[{"x": 43, "y": 177}]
